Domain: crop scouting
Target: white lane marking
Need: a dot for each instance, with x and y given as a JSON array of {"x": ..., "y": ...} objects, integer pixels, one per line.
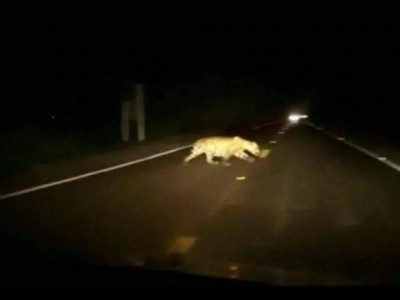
[
  {"x": 70, "y": 179},
  {"x": 375, "y": 156},
  {"x": 339, "y": 138}
]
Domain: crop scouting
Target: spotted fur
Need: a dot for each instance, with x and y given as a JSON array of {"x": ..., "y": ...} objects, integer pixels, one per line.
[{"x": 224, "y": 147}]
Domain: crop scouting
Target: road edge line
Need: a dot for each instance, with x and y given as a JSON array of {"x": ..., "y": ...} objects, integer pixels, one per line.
[
  {"x": 361, "y": 149},
  {"x": 89, "y": 174}
]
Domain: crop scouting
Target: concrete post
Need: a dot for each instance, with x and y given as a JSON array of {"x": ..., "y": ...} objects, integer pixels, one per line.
[
  {"x": 140, "y": 111},
  {"x": 125, "y": 126}
]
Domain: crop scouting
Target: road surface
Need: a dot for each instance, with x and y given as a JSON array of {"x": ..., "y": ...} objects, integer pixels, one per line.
[{"x": 315, "y": 211}]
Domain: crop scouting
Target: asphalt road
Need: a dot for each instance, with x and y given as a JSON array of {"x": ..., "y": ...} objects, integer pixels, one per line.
[{"x": 315, "y": 211}]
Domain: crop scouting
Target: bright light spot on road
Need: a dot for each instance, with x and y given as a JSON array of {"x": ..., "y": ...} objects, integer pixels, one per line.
[
  {"x": 295, "y": 118},
  {"x": 281, "y": 132},
  {"x": 273, "y": 142},
  {"x": 240, "y": 177},
  {"x": 340, "y": 138}
]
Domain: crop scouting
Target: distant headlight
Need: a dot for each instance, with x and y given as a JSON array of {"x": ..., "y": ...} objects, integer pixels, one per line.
[{"x": 295, "y": 118}]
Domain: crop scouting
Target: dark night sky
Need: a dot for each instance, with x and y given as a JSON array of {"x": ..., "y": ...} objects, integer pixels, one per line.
[{"x": 82, "y": 54}]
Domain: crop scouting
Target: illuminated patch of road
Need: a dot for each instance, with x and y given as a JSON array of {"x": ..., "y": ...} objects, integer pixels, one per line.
[
  {"x": 234, "y": 271},
  {"x": 182, "y": 245}
]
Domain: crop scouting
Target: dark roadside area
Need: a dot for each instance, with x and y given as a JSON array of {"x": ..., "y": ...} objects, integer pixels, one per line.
[{"x": 96, "y": 158}]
